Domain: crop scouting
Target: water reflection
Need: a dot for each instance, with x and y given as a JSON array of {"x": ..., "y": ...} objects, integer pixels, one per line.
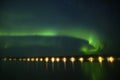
[
  {"x": 93, "y": 70},
  {"x": 90, "y": 68}
]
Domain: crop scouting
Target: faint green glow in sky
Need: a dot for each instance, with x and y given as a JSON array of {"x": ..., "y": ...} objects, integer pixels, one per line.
[{"x": 80, "y": 33}]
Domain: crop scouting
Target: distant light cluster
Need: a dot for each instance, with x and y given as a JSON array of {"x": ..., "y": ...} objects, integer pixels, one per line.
[{"x": 99, "y": 59}]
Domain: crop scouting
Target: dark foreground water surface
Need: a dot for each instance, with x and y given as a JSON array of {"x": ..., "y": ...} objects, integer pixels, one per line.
[{"x": 15, "y": 70}]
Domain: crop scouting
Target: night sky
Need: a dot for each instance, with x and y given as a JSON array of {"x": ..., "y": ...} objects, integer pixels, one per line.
[
  {"x": 97, "y": 18},
  {"x": 36, "y": 28}
]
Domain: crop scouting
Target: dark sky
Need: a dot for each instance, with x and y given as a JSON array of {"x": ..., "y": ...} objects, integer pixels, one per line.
[{"x": 99, "y": 15}]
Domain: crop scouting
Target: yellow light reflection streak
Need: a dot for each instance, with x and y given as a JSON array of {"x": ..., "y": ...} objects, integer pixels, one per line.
[
  {"x": 46, "y": 60},
  {"x": 64, "y": 60},
  {"x": 72, "y": 59},
  {"x": 52, "y": 60}
]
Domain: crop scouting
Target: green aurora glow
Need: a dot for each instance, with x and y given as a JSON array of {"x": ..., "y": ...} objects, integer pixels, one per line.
[{"x": 86, "y": 34}]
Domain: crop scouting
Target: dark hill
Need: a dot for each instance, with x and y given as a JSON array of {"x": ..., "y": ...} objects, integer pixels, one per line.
[{"x": 40, "y": 46}]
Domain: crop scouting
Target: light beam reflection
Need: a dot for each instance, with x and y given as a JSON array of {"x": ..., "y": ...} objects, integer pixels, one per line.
[
  {"x": 64, "y": 61},
  {"x": 72, "y": 59},
  {"x": 46, "y": 60},
  {"x": 52, "y": 60}
]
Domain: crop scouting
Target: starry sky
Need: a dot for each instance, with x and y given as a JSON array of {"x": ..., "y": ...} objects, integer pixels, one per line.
[{"x": 30, "y": 16}]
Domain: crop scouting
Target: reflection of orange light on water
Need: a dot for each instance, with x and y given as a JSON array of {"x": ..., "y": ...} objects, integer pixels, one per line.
[
  {"x": 46, "y": 60},
  {"x": 53, "y": 60},
  {"x": 64, "y": 60},
  {"x": 91, "y": 59},
  {"x": 72, "y": 59},
  {"x": 110, "y": 59},
  {"x": 81, "y": 59}
]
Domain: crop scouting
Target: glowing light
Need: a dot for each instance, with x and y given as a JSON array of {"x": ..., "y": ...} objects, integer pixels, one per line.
[
  {"x": 32, "y": 59},
  {"x": 5, "y": 59},
  {"x": 110, "y": 59},
  {"x": 53, "y": 59},
  {"x": 20, "y": 59},
  {"x": 10, "y": 59},
  {"x": 89, "y": 35},
  {"x": 100, "y": 59},
  {"x": 57, "y": 59},
  {"x": 36, "y": 59},
  {"x": 14, "y": 59},
  {"x": 64, "y": 59},
  {"x": 46, "y": 59},
  {"x": 41, "y": 59},
  {"x": 24, "y": 59},
  {"x": 91, "y": 59},
  {"x": 72, "y": 59},
  {"x": 28, "y": 59},
  {"x": 81, "y": 59}
]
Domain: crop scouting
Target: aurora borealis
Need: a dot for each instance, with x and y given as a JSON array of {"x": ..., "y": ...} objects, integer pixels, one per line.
[
  {"x": 94, "y": 21},
  {"x": 59, "y": 28},
  {"x": 92, "y": 38}
]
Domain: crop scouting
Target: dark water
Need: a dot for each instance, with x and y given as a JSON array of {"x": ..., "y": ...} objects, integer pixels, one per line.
[{"x": 14, "y": 70}]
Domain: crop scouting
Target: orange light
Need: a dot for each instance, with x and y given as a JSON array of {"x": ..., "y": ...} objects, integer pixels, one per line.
[
  {"x": 28, "y": 59},
  {"x": 36, "y": 59},
  {"x": 91, "y": 59},
  {"x": 46, "y": 59},
  {"x": 57, "y": 59},
  {"x": 64, "y": 59},
  {"x": 32, "y": 59},
  {"x": 10, "y": 59},
  {"x": 53, "y": 59},
  {"x": 41, "y": 59},
  {"x": 81, "y": 59},
  {"x": 100, "y": 59},
  {"x": 72, "y": 59},
  {"x": 110, "y": 59}
]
